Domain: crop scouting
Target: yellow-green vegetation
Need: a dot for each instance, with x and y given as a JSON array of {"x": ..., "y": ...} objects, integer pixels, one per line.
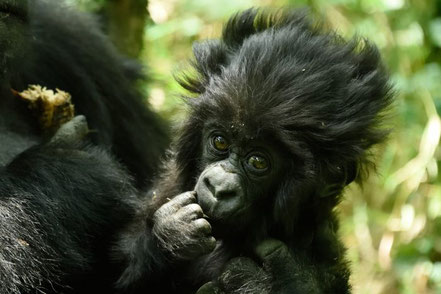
[{"x": 391, "y": 225}]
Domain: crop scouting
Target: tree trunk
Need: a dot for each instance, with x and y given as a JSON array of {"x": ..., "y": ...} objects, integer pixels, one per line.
[{"x": 125, "y": 22}]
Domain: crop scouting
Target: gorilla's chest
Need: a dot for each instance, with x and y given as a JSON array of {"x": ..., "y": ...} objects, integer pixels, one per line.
[
  {"x": 209, "y": 267},
  {"x": 13, "y": 144},
  {"x": 18, "y": 130}
]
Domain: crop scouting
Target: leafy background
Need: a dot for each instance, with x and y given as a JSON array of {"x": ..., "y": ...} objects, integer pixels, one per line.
[{"x": 391, "y": 225}]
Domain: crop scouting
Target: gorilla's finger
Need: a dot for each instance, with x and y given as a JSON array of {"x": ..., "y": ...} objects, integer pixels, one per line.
[
  {"x": 192, "y": 211},
  {"x": 72, "y": 131},
  {"x": 208, "y": 244},
  {"x": 269, "y": 247},
  {"x": 209, "y": 288},
  {"x": 275, "y": 256},
  {"x": 203, "y": 226},
  {"x": 179, "y": 201}
]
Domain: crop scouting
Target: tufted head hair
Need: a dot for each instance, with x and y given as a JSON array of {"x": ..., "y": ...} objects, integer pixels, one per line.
[{"x": 279, "y": 75}]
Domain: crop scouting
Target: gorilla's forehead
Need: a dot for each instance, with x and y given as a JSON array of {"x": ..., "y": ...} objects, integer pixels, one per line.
[
  {"x": 238, "y": 130},
  {"x": 242, "y": 113},
  {"x": 248, "y": 121}
]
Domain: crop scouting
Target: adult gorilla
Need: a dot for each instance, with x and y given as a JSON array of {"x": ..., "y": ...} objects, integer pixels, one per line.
[{"x": 61, "y": 200}]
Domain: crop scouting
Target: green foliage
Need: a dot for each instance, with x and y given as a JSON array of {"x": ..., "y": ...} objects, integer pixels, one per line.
[{"x": 89, "y": 5}]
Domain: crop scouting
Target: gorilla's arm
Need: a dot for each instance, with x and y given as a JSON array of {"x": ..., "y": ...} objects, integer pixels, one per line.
[
  {"x": 176, "y": 234},
  {"x": 59, "y": 204},
  {"x": 278, "y": 271}
]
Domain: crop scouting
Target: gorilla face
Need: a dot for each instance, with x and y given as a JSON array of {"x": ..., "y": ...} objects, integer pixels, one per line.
[{"x": 237, "y": 175}]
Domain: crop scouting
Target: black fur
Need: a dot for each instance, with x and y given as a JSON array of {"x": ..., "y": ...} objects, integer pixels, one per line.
[
  {"x": 62, "y": 202},
  {"x": 319, "y": 98}
]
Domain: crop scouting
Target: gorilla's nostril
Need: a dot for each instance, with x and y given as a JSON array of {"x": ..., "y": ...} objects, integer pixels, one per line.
[
  {"x": 225, "y": 194},
  {"x": 209, "y": 185}
]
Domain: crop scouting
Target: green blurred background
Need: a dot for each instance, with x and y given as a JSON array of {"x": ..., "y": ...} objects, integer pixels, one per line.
[{"x": 391, "y": 225}]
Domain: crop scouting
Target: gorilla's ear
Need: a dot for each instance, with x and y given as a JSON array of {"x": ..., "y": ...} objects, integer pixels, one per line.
[
  {"x": 334, "y": 179},
  {"x": 343, "y": 174},
  {"x": 209, "y": 57}
]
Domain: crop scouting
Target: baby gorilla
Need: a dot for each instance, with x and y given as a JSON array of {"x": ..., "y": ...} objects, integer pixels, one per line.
[
  {"x": 181, "y": 228},
  {"x": 283, "y": 119}
]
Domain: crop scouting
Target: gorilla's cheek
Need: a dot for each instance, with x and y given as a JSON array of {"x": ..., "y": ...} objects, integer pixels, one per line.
[{"x": 220, "y": 193}]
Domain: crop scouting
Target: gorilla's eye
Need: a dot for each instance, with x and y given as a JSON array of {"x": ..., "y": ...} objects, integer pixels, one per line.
[
  {"x": 220, "y": 143},
  {"x": 258, "y": 162}
]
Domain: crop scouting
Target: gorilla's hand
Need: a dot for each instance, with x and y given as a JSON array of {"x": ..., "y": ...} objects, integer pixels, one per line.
[
  {"x": 180, "y": 229},
  {"x": 71, "y": 132},
  {"x": 275, "y": 274},
  {"x": 241, "y": 275}
]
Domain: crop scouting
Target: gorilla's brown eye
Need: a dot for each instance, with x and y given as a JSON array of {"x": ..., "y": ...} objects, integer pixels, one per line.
[
  {"x": 220, "y": 143},
  {"x": 258, "y": 162}
]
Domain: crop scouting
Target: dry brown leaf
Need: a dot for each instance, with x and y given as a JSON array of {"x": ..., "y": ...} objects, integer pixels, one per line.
[{"x": 52, "y": 109}]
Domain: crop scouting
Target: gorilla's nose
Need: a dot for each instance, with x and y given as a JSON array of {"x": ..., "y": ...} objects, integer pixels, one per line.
[{"x": 222, "y": 184}]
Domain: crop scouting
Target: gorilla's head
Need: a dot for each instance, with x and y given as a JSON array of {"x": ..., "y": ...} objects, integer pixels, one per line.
[{"x": 284, "y": 114}]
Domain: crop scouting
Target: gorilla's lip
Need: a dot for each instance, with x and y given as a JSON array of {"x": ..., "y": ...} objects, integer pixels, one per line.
[
  {"x": 12, "y": 8},
  {"x": 215, "y": 208}
]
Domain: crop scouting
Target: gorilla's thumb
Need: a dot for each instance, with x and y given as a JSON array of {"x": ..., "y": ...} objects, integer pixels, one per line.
[{"x": 276, "y": 257}]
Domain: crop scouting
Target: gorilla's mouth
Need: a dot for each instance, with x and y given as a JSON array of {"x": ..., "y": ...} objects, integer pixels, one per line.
[
  {"x": 16, "y": 8},
  {"x": 217, "y": 209}
]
